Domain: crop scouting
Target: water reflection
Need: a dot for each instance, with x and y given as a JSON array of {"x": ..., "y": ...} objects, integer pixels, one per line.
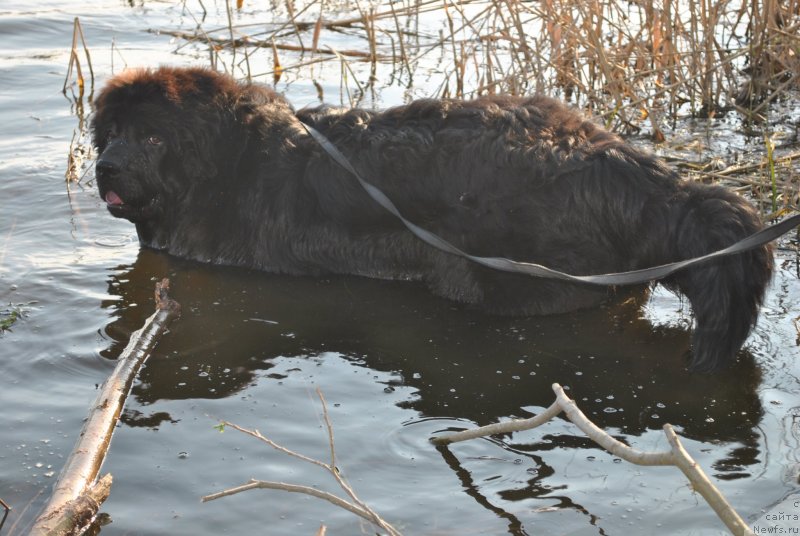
[
  {"x": 625, "y": 373},
  {"x": 515, "y": 526}
]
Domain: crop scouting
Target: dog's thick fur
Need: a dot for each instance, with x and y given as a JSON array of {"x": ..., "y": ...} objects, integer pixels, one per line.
[{"x": 223, "y": 172}]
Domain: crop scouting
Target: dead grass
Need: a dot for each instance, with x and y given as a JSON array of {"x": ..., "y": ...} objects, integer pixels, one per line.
[
  {"x": 637, "y": 65},
  {"x": 629, "y": 62}
]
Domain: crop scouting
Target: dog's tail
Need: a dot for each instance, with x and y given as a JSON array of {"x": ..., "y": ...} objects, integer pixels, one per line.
[{"x": 725, "y": 294}]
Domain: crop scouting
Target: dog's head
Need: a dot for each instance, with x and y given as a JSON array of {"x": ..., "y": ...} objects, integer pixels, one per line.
[{"x": 160, "y": 134}]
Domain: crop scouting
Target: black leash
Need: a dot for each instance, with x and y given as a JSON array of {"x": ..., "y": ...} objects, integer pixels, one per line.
[{"x": 634, "y": 277}]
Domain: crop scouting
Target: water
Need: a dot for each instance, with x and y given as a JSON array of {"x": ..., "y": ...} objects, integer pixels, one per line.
[{"x": 395, "y": 364}]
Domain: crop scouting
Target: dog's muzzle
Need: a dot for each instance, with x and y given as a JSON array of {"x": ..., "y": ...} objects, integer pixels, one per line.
[{"x": 112, "y": 160}]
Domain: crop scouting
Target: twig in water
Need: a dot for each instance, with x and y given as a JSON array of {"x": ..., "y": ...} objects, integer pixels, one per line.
[
  {"x": 75, "y": 62},
  {"x": 677, "y": 456},
  {"x": 770, "y": 146},
  {"x": 7, "y": 509},
  {"x": 357, "y": 506}
]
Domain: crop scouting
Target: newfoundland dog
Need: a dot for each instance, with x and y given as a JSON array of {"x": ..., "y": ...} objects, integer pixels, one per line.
[{"x": 224, "y": 172}]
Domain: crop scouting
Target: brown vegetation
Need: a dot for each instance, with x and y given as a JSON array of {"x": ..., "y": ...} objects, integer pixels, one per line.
[
  {"x": 639, "y": 66},
  {"x": 626, "y": 61}
]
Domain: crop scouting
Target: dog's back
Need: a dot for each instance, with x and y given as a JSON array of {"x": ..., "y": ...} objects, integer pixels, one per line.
[{"x": 531, "y": 180}]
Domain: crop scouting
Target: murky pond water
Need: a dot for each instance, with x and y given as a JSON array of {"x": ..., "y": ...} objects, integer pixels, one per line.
[{"x": 396, "y": 365}]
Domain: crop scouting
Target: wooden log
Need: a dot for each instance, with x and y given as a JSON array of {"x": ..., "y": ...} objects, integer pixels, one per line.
[{"x": 78, "y": 493}]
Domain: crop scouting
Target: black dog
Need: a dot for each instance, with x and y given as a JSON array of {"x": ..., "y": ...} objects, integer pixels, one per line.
[{"x": 223, "y": 172}]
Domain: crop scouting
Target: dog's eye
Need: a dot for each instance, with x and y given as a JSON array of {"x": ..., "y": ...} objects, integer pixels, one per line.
[{"x": 154, "y": 140}]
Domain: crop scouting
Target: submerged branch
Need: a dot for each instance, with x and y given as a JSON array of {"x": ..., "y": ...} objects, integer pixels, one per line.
[{"x": 77, "y": 494}]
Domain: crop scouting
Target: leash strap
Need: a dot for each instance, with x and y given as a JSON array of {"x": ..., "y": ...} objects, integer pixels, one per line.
[{"x": 632, "y": 277}]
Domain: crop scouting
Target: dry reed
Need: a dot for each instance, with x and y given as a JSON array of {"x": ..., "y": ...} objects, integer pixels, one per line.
[
  {"x": 636, "y": 65},
  {"x": 75, "y": 61},
  {"x": 627, "y": 61}
]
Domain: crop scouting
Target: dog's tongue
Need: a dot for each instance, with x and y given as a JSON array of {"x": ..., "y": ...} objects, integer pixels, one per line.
[{"x": 113, "y": 199}]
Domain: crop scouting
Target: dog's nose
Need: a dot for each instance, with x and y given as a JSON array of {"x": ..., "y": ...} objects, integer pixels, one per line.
[
  {"x": 106, "y": 167},
  {"x": 112, "y": 160}
]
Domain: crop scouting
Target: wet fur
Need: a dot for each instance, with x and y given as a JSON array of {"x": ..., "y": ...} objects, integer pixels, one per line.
[{"x": 237, "y": 181}]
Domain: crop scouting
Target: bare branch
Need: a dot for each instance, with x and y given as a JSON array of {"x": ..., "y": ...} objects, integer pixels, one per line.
[
  {"x": 77, "y": 495},
  {"x": 357, "y": 507},
  {"x": 293, "y": 488},
  {"x": 677, "y": 456},
  {"x": 517, "y": 425}
]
